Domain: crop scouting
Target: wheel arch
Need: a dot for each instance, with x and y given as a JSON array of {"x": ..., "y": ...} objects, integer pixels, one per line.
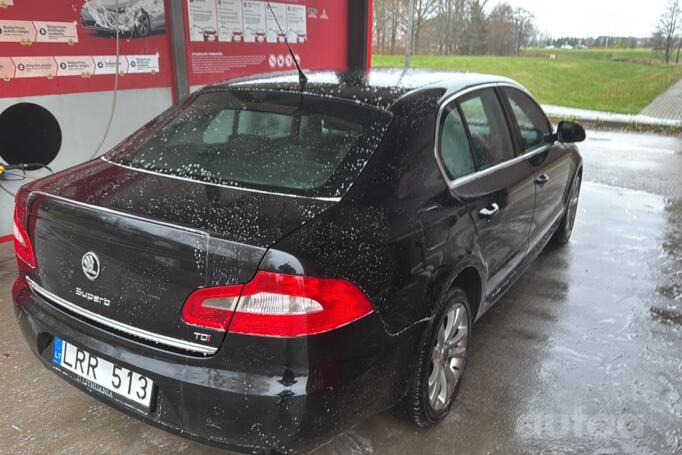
[
  {"x": 578, "y": 172},
  {"x": 469, "y": 275},
  {"x": 470, "y": 281}
]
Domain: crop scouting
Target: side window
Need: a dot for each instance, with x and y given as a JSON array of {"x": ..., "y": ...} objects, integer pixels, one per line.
[
  {"x": 533, "y": 123},
  {"x": 490, "y": 138},
  {"x": 455, "y": 149}
]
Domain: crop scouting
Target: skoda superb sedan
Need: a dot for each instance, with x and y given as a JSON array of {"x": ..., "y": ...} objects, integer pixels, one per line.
[{"x": 264, "y": 265}]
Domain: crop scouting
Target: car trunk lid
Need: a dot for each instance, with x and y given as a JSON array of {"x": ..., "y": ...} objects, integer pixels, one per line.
[{"x": 154, "y": 240}]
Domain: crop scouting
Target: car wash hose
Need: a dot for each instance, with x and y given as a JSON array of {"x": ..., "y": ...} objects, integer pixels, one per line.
[{"x": 114, "y": 99}]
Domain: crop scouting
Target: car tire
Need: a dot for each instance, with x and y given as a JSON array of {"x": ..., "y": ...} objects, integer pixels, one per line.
[
  {"x": 143, "y": 28},
  {"x": 434, "y": 365},
  {"x": 565, "y": 229}
]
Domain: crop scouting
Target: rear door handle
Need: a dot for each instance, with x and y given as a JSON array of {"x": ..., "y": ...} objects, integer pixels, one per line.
[
  {"x": 489, "y": 212},
  {"x": 542, "y": 179}
]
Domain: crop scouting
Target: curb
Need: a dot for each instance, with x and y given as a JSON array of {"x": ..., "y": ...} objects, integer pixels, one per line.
[
  {"x": 612, "y": 120},
  {"x": 622, "y": 127}
]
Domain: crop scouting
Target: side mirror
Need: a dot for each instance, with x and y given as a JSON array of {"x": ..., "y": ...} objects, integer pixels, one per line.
[{"x": 570, "y": 132}]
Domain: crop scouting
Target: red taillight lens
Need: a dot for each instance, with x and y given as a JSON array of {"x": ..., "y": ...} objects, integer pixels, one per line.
[
  {"x": 278, "y": 305},
  {"x": 212, "y": 308},
  {"x": 22, "y": 243},
  {"x": 292, "y": 306}
]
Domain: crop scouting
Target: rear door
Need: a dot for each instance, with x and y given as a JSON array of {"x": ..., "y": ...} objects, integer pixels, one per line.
[
  {"x": 551, "y": 165},
  {"x": 478, "y": 157}
]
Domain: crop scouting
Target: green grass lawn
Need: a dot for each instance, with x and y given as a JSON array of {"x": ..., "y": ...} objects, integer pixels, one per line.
[
  {"x": 586, "y": 79},
  {"x": 597, "y": 54}
]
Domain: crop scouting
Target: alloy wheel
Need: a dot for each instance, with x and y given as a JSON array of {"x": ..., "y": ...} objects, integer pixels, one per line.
[
  {"x": 448, "y": 357},
  {"x": 573, "y": 205}
]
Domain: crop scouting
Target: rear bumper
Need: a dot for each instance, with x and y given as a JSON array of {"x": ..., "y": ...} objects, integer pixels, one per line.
[{"x": 255, "y": 393}]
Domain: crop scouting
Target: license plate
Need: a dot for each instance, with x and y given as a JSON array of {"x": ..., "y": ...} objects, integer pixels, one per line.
[{"x": 102, "y": 376}]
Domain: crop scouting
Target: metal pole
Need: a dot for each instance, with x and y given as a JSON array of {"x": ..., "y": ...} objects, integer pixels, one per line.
[
  {"x": 410, "y": 29},
  {"x": 178, "y": 47}
]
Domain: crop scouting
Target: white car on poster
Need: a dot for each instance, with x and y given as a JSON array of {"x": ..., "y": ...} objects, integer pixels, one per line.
[{"x": 138, "y": 18}]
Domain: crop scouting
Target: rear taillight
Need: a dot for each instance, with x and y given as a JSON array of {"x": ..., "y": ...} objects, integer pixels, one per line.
[
  {"x": 22, "y": 243},
  {"x": 278, "y": 305},
  {"x": 291, "y": 306},
  {"x": 212, "y": 308}
]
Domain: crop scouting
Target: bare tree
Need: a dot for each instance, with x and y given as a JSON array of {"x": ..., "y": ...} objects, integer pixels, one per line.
[
  {"x": 524, "y": 24},
  {"x": 398, "y": 22},
  {"x": 390, "y": 23},
  {"x": 476, "y": 29},
  {"x": 501, "y": 38},
  {"x": 444, "y": 18},
  {"x": 455, "y": 23},
  {"x": 452, "y": 27},
  {"x": 380, "y": 25},
  {"x": 509, "y": 29},
  {"x": 668, "y": 27},
  {"x": 423, "y": 9}
]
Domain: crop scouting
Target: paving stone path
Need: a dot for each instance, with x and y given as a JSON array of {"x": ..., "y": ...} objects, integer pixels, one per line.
[{"x": 668, "y": 105}]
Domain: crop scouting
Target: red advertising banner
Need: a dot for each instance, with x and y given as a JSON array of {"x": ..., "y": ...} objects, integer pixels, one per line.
[
  {"x": 232, "y": 38},
  {"x": 68, "y": 46}
]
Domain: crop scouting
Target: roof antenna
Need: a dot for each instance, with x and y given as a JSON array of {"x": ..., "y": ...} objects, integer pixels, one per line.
[{"x": 302, "y": 79}]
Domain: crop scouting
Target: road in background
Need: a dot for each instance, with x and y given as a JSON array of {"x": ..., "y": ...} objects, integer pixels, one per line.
[{"x": 581, "y": 356}]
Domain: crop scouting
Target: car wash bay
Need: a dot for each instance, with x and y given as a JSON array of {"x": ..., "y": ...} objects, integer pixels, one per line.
[
  {"x": 581, "y": 356},
  {"x": 70, "y": 90}
]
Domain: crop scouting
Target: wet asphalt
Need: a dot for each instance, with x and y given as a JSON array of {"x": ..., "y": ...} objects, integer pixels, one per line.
[{"x": 583, "y": 355}]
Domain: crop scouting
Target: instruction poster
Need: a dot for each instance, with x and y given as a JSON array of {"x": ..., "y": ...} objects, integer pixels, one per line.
[
  {"x": 254, "y": 22},
  {"x": 230, "y": 21},
  {"x": 232, "y": 38},
  {"x": 276, "y": 23},
  {"x": 69, "y": 46},
  {"x": 240, "y": 21},
  {"x": 296, "y": 23},
  {"x": 203, "y": 24}
]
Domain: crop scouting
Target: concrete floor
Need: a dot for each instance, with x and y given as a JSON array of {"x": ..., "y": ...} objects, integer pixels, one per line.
[{"x": 582, "y": 356}]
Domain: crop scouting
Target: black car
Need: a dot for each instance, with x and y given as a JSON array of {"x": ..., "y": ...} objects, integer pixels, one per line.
[{"x": 265, "y": 265}]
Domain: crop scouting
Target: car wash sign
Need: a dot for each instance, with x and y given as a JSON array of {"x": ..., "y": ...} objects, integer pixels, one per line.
[
  {"x": 231, "y": 38},
  {"x": 29, "y": 32},
  {"x": 69, "y": 46}
]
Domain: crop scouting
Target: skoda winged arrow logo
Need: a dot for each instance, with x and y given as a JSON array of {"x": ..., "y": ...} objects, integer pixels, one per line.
[{"x": 91, "y": 266}]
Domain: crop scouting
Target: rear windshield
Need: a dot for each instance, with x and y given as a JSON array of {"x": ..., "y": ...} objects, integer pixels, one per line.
[{"x": 280, "y": 142}]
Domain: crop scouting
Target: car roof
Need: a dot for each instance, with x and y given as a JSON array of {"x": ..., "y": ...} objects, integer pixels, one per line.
[{"x": 379, "y": 88}]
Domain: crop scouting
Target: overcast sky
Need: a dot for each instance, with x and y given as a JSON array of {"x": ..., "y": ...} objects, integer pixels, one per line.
[{"x": 584, "y": 18}]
